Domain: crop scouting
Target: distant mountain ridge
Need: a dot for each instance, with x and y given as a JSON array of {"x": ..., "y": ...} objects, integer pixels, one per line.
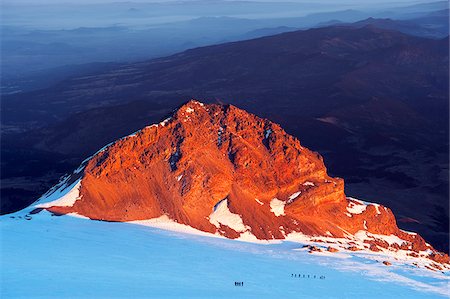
[{"x": 434, "y": 25}]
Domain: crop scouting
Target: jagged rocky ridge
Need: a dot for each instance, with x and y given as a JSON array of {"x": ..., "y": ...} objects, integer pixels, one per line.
[{"x": 221, "y": 170}]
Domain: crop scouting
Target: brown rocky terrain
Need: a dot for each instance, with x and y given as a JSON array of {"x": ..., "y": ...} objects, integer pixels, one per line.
[{"x": 207, "y": 161}]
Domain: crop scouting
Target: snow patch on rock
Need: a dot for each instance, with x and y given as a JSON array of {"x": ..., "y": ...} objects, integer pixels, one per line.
[
  {"x": 165, "y": 122},
  {"x": 377, "y": 207},
  {"x": 410, "y": 233},
  {"x": 223, "y": 215},
  {"x": 356, "y": 207},
  {"x": 62, "y": 197},
  {"x": 277, "y": 207},
  {"x": 258, "y": 201},
  {"x": 295, "y": 195},
  {"x": 391, "y": 239}
]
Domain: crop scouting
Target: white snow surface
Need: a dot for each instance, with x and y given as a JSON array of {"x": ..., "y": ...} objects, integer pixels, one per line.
[
  {"x": 295, "y": 195},
  {"x": 258, "y": 201},
  {"x": 356, "y": 207},
  {"x": 165, "y": 122},
  {"x": 277, "y": 207},
  {"x": 222, "y": 215},
  {"x": 377, "y": 207},
  {"x": 411, "y": 233},
  {"x": 65, "y": 196},
  {"x": 157, "y": 257},
  {"x": 391, "y": 239},
  {"x": 164, "y": 222},
  {"x": 94, "y": 259}
]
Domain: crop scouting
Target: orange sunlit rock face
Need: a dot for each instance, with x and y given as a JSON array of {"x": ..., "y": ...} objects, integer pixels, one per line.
[{"x": 204, "y": 154}]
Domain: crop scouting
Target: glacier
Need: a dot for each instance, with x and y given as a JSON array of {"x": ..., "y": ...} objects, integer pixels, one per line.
[{"x": 51, "y": 256}]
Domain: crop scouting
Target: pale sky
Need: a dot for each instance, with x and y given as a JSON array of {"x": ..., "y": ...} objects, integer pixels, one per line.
[{"x": 355, "y": 2}]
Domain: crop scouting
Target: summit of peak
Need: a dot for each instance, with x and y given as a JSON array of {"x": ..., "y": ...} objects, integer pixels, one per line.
[{"x": 193, "y": 103}]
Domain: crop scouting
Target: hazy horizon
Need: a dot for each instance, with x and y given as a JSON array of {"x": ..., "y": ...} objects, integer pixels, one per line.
[
  {"x": 43, "y": 34},
  {"x": 320, "y": 2}
]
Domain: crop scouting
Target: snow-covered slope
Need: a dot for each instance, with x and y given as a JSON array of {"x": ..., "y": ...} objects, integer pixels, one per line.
[{"x": 44, "y": 255}]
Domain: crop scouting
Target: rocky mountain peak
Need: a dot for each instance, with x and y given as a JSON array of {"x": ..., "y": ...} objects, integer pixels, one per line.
[{"x": 222, "y": 170}]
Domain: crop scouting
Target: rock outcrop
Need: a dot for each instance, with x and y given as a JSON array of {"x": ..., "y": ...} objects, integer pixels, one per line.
[{"x": 222, "y": 170}]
